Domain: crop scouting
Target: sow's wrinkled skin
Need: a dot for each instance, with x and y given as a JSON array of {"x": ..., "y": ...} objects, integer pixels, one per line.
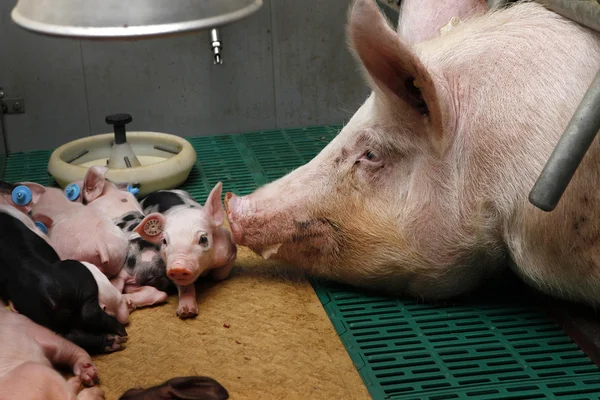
[
  {"x": 144, "y": 276},
  {"x": 425, "y": 191},
  {"x": 193, "y": 241},
  {"x": 109, "y": 298},
  {"x": 60, "y": 295},
  {"x": 29, "y": 351}
]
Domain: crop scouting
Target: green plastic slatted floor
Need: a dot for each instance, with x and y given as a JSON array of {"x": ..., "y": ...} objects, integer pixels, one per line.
[{"x": 403, "y": 350}]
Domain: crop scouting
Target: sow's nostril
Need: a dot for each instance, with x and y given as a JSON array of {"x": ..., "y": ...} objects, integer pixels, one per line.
[{"x": 179, "y": 273}]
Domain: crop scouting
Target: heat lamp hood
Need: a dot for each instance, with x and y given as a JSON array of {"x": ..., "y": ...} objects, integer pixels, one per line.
[{"x": 122, "y": 19}]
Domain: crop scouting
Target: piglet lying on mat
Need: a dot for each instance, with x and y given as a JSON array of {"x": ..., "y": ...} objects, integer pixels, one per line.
[
  {"x": 110, "y": 299},
  {"x": 76, "y": 232},
  {"x": 189, "y": 388},
  {"x": 143, "y": 276},
  {"x": 28, "y": 352},
  {"x": 60, "y": 295}
]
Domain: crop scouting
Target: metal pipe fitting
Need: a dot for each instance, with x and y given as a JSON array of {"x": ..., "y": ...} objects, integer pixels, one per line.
[
  {"x": 584, "y": 12},
  {"x": 216, "y": 45},
  {"x": 570, "y": 150}
]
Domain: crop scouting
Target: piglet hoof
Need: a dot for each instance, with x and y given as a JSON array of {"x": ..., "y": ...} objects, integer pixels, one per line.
[
  {"x": 114, "y": 343},
  {"x": 75, "y": 384},
  {"x": 87, "y": 373},
  {"x": 91, "y": 394},
  {"x": 130, "y": 306},
  {"x": 187, "y": 311}
]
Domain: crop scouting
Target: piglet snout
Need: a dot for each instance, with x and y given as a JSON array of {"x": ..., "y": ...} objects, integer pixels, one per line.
[{"x": 179, "y": 273}]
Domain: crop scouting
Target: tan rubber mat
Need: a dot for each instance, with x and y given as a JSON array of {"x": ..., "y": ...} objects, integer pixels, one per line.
[{"x": 279, "y": 343}]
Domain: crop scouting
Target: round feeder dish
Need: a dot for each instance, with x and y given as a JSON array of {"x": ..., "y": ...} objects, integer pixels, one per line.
[{"x": 166, "y": 161}]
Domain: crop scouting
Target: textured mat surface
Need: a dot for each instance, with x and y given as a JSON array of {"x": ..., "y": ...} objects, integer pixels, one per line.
[{"x": 482, "y": 349}]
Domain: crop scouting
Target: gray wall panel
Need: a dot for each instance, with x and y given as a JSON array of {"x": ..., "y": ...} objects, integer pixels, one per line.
[
  {"x": 48, "y": 73},
  {"x": 287, "y": 65},
  {"x": 316, "y": 78}
]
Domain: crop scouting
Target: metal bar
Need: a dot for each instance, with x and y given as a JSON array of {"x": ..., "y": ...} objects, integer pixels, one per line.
[
  {"x": 570, "y": 150},
  {"x": 78, "y": 156},
  {"x": 584, "y": 12},
  {"x": 161, "y": 148},
  {"x": 4, "y": 137},
  {"x": 216, "y": 46}
]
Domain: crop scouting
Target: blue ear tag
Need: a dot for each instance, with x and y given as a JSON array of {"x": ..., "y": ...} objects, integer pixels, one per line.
[
  {"x": 21, "y": 195},
  {"x": 72, "y": 192},
  {"x": 133, "y": 190},
  {"x": 41, "y": 227}
]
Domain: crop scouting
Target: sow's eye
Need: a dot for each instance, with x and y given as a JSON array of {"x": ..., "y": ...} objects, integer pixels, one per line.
[
  {"x": 203, "y": 241},
  {"x": 164, "y": 241},
  {"x": 371, "y": 157}
]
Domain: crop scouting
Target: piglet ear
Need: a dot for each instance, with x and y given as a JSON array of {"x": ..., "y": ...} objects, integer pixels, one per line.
[
  {"x": 93, "y": 183},
  {"x": 151, "y": 228},
  {"x": 391, "y": 65},
  {"x": 214, "y": 207},
  {"x": 421, "y": 20},
  {"x": 37, "y": 191},
  {"x": 196, "y": 387},
  {"x": 44, "y": 219}
]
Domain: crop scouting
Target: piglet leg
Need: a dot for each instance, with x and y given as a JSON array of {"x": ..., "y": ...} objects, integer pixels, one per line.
[
  {"x": 94, "y": 393},
  {"x": 143, "y": 296},
  {"x": 222, "y": 273},
  {"x": 188, "y": 308},
  {"x": 62, "y": 352},
  {"x": 96, "y": 343},
  {"x": 119, "y": 280}
]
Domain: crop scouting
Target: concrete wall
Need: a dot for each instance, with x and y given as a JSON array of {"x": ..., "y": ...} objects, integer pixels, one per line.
[{"x": 285, "y": 66}]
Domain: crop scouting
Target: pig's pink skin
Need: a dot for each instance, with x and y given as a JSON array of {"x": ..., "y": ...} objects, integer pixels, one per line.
[
  {"x": 82, "y": 233},
  {"x": 144, "y": 296},
  {"x": 137, "y": 296},
  {"x": 37, "y": 190},
  {"x": 105, "y": 195},
  {"x": 28, "y": 350},
  {"x": 429, "y": 201},
  {"x": 110, "y": 298},
  {"x": 418, "y": 23}
]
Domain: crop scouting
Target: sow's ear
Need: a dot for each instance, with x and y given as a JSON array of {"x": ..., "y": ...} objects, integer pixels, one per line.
[
  {"x": 421, "y": 20},
  {"x": 392, "y": 66}
]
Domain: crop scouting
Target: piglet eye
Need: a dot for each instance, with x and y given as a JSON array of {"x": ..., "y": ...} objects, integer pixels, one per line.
[
  {"x": 164, "y": 241},
  {"x": 203, "y": 240},
  {"x": 369, "y": 155}
]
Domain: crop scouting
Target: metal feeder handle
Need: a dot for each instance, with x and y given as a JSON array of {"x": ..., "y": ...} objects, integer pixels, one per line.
[
  {"x": 118, "y": 121},
  {"x": 570, "y": 150}
]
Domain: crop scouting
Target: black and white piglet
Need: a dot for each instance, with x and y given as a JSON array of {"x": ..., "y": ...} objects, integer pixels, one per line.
[{"x": 60, "y": 295}]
